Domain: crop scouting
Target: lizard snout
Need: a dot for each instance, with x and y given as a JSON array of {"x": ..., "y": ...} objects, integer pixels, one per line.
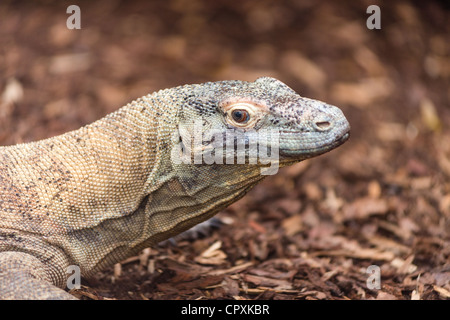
[{"x": 332, "y": 120}]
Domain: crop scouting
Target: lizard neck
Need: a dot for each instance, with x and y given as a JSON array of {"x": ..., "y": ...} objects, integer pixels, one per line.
[{"x": 69, "y": 184}]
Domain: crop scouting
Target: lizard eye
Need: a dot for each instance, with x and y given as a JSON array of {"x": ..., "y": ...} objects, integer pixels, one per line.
[{"x": 240, "y": 116}]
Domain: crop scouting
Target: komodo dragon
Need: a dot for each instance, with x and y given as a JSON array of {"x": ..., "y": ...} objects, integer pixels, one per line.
[{"x": 95, "y": 196}]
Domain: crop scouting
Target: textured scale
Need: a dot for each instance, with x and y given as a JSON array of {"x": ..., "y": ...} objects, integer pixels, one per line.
[{"x": 94, "y": 196}]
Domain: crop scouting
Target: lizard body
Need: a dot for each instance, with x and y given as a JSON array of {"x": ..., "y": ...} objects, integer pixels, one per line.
[{"x": 94, "y": 196}]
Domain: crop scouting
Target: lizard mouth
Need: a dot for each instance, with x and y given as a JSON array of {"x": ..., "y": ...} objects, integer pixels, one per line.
[
  {"x": 304, "y": 153},
  {"x": 341, "y": 140}
]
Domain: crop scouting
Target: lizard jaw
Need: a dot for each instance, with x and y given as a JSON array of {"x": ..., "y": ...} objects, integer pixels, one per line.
[{"x": 301, "y": 154}]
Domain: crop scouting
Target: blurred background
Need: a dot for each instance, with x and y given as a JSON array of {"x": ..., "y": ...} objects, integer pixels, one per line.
[{"x": 311, "y": 231}]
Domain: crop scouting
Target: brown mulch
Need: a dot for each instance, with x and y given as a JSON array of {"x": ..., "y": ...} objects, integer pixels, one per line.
[{"x": 312, "y": 230}]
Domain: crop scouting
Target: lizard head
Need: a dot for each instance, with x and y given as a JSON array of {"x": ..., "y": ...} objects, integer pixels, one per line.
[
  {"x": 307, "y": 127},
  {"x": 265, "y": 112}
]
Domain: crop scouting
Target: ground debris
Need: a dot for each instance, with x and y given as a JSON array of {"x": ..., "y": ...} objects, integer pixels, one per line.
[{"x": 313, "y": 230}]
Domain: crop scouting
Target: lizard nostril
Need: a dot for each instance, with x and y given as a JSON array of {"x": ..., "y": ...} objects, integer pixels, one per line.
[{"x": 323, "y": 125}]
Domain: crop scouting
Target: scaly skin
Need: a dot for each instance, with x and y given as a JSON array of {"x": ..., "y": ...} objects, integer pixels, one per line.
[{"x": 95, "y": 196}]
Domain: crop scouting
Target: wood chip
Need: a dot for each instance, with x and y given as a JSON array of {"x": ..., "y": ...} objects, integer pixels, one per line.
[
  {"x": 277, "y": 284},
  {"x": 235, "y": 269},
  {"x": 68, "y": 63},
  {"x": 292, "y": 225},
  {"x": 12, "y": 94},
  {"x": 363, "y": 93},
  {"x": 364, "y": 207},
  {"x": 386, "y": 296},
  {"x": 442, "y": 291},
  {"x": 404, "y": 266},
  {"x": 363, "y": 253},
  {"x": 212, "y": 255},
  {"x": 429, "y": 115},
  {"x": 117, "y": 270},
  {"x": 401, "y": 233},
  {"x": 304, "y": 69}
]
